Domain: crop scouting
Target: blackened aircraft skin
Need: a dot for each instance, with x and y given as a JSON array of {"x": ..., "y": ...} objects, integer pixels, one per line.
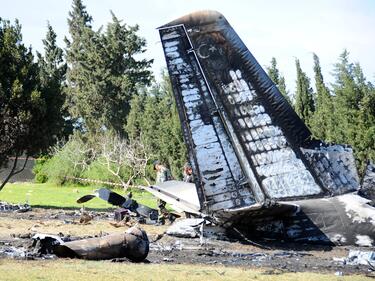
[
  {"x": 253, "y": 158},
  {"x": 118, "y": 200}
]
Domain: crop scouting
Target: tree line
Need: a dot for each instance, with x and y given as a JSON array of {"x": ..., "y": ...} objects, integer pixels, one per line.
[
  {"x": 94, "y": 110},
  {"x": 343, "y": 113}
]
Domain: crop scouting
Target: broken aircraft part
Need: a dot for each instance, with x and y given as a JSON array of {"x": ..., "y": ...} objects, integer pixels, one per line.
[
  {"x": 368, "y": 183},
  {"x": 125, "y": 202},
  {"x": 356, "y": 257},
  {"x": 253, "y": 158},
  {"x": 20, "y": 208},
  {"x": 193, "y": 228},
  {"x": 341, "y": 220},
  {"x": 133, "y": 244},
  {"x": 182, "y": 196}
]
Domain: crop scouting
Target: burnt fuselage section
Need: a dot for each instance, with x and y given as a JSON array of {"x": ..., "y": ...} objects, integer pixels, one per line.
[{"x": 249, "y": 149}]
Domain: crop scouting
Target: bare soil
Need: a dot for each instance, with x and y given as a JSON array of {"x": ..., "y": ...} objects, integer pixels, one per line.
[{"x": 17, "y": 228}]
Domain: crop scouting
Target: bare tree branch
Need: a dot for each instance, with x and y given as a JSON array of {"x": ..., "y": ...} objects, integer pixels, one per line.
[
  {"x": 10, "y": 173},
  {"x": 119, "y": 154},
  {"x": 23, "y": 166}
]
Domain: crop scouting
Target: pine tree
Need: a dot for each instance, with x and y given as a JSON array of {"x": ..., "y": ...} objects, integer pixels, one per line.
[
  {"x": 26, "y": 108},
  {"x": 346, "y": 101},
  {"x": 126, "y": 73},
  {"x": 278, "y": 79},
  {"x": 354, "y": 109},
  {"x": 80, "y": 31},
  {"x": 322, "y": 123},
  {"x": 52, "y": 70},
  {"x": 304, "y": 104},
  {"x": 103, "y": 72}
]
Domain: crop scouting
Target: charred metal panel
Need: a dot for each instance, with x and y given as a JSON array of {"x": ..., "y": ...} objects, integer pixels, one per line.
[
  {"x": 335, "y": 166},
  {"x": 340, "y": 220},
  {"x": 369, "y": 177},
  {"x": 368, "y": 183},
  {"x": 133, "y": 244},
  {"x": 125, "y": 202},
  {"x": 220, "y": 181},
  {"x": 346, "y": 219},
  {"x": 266, "y": 132}
]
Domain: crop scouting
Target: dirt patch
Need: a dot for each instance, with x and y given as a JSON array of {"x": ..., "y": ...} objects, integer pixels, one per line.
[{"x": 17, "y": 228}]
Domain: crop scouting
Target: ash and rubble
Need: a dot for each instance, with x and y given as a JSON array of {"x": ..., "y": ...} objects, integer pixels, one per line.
[
  {"x": 20, "y": 208},
  {"x": 182, "y": 243}
]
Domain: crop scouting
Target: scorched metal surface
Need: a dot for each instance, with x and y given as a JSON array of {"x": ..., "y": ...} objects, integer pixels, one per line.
[{"x": 251, "y": 154}]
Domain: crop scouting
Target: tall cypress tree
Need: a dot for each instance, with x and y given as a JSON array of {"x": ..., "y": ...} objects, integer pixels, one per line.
[
  {"x": 346, "y": 101},
  {"x": 80, "y": 31},
  {"x": 126, "y": 73},
  {"x": 365, "y": 142},
  {"x": 354, "y": 108},
  {"x": 173, "y": 147},
  {"x": 103, "y": 71},
  {"x": 52, "y": 70},
  {"x": 304, "y": 104},
  {"x": 133, "y": 126},
  {"x": 278, "y": 79},
  {"x": 322, "y": 123}
]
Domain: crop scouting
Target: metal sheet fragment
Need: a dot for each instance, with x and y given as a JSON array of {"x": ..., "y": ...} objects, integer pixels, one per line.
[
  {"x": 368, "y": 183},
  {"x": 133, "y": 244}
]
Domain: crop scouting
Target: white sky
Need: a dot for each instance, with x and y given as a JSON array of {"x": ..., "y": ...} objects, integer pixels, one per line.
[{"x": 285, "y": 29}]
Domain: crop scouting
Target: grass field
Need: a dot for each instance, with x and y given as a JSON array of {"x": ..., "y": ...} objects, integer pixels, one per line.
[
  {"x": 66, "y": 269},
  {"x": 52, "y": 196}
]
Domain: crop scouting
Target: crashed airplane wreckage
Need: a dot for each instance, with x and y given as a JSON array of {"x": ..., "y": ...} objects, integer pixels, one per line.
[
  {"x": 133, "y": 244},
  {"x": 126, "y": 203},
  {"x": 257, "y": 166}
]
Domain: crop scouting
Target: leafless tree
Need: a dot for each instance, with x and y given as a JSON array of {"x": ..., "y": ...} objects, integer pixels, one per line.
[{"x": 118, "y": 154}]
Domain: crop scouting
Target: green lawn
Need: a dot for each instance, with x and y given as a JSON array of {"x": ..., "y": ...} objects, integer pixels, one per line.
[
  {"x": 50, "y": 195},
  {"x": 64, "y": 269}
]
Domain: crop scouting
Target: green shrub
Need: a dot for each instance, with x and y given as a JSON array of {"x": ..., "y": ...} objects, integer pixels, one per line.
[
  {"x": 69, "y": 161},
  {"x": 40, "y": 175}
]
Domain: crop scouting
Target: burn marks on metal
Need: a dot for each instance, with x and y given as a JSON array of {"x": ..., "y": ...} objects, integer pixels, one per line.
[
  {"x": 220, "y": 177},
  {"x": 368, "y": 183},
  {"x": 335, "y": 166},
  {"x": 245, "y": 140},
  {"x": 280, "y": 171},
  {"x": 277, "y": 167}
]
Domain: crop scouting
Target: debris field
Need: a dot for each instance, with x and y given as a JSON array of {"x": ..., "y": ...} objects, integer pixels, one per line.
[{"x": 17, "y": 230}]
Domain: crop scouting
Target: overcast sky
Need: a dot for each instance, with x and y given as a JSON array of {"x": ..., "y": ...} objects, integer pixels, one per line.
[{"x": 285, "y": 29}]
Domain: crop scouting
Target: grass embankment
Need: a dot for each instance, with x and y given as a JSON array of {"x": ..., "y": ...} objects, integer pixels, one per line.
[
  {"x": 51, "y": 196},
  {"x": 91, "y": 270}
]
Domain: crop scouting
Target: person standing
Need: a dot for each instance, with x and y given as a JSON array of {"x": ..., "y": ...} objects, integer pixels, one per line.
[
  {"x": 188, "y": 173},
  {"x": 162, "y": 174}
]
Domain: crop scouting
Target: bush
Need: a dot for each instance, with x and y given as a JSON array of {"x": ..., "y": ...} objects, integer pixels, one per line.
[
  {"x": 105, "y": 157},
  {"x": 68, "y": 161},
  {"x": 40, "y": 175}
]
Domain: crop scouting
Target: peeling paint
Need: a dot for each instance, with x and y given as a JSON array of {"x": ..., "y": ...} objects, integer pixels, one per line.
[
  {"x": 357, "y": 209},
  {"x": 364, "y": 241}
]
